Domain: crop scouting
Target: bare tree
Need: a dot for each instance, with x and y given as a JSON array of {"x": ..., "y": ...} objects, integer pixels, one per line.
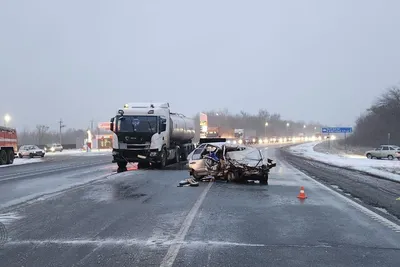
[
  {"x": 380, "y": 121},
  {"x": 41, "y": 131}
]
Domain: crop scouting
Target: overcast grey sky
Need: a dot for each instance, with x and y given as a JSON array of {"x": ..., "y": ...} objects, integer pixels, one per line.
[{"x": 307, "y": 60}]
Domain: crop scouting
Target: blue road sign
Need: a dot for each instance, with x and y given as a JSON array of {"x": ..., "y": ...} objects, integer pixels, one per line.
[{"x": 337, "y": 130}]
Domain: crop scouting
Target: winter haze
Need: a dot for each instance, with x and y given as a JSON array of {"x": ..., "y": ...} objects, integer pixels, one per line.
[{"x": 307, "y": 60}]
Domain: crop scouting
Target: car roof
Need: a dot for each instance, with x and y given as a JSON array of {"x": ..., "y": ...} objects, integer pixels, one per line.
[{"x": 220, "y": 144}]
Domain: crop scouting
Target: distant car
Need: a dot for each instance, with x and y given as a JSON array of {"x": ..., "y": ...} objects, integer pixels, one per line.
[
  {"x": 384, "y": 151},
  {"x": 54, "y": 148},
  {"x": 30, "y": 151}
]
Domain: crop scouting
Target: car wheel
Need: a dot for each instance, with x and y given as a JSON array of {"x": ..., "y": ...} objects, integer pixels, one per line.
[
  {"x": 42, "y": 156},
  {"x": 369, "y": 156},
  {"x": 20, "y": 156},
  {"x": 231, "y": 176},
  {"x": 390, "y": 157},
  {"x": 31, "y": 155}
]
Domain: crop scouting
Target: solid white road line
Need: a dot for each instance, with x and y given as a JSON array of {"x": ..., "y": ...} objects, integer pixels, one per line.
[{"x": 173, "y": 250}]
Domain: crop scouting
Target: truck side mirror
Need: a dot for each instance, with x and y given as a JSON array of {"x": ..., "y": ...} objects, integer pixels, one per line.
[{"x": 112, "y": 124}]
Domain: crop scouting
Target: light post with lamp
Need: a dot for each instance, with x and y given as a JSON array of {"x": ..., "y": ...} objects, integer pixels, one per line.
[{"x": 265, "y": 128}]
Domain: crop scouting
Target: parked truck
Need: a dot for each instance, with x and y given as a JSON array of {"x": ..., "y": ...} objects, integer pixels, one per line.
[
  {"x": 150, "y": 134},
  {"x": 8, "y": 145}
]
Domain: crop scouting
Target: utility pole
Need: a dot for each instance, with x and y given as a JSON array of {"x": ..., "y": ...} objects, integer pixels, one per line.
[
  {"x": 91, "y": 126},
  {"x": 61, "y": 126}
]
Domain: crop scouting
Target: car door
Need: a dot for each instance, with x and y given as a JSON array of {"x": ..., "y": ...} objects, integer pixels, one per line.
[
  {"x": 195, "y": 161},
  {"x": 385, "y": 152},
  {"x": 22, "y": 151},
  {"x": 377, "y": 152}
]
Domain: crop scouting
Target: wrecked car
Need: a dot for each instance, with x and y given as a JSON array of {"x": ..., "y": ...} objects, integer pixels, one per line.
[{"x": 229, "y": 162}]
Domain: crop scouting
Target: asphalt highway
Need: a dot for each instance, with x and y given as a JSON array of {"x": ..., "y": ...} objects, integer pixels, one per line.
[
  {"x": 141, "y": 218},
  {"x": 375, "y": 192}
]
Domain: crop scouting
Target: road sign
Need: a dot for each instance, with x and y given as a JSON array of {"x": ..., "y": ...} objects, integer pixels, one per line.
[{"x": 337, "y": 130}]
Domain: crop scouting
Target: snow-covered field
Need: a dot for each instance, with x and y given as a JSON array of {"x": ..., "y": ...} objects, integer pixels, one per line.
[{"x": 389, "y": 169}]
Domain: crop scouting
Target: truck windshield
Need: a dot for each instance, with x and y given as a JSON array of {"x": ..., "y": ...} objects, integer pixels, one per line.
[{"x": 140, "y": 124}]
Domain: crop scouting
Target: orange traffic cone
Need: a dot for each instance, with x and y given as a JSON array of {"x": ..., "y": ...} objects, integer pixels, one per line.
[{"x": 302, "y": 195}]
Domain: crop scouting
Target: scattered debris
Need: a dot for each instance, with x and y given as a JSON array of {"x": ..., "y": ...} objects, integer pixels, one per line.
[{"x": 188, "y": 182}]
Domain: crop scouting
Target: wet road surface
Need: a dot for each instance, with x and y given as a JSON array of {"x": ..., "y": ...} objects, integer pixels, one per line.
[
  {"x": 379, "y": 193},
  {"x": 141, "y": 218},
  {"x": 19, "y": 183}
]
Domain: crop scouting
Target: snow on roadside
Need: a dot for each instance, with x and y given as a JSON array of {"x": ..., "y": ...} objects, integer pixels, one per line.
[
  {"x": 80, "y": 152},
  {"x": 389, "y": 169},
  {"x": 18, "y": 161},
  {"x": 7, "y": 218}
]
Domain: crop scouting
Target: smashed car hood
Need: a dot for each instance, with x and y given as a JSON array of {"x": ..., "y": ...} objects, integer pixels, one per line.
[{"x": 250, "y": 156}]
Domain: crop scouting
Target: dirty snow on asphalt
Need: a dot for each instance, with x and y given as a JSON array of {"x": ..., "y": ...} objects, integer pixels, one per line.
[
  {"x": 18, "y": 161},
  {"x": 389, "y": 169}
]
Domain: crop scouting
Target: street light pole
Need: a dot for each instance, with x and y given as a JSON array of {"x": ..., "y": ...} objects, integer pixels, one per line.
[{"x": 265, "y": 128}]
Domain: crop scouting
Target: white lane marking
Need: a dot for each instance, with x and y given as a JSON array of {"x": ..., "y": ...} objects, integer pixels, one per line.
[
  {"x": 173, "y": 250},
  {"x": 371, "y": 214},
  {"x": 137, "y": 242}
]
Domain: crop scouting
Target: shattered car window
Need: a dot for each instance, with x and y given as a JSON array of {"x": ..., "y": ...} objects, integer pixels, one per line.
[{"x": 249, "y": 156}]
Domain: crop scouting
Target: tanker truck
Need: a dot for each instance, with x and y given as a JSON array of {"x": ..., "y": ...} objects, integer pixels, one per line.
[{"x": 150, "y": 134}]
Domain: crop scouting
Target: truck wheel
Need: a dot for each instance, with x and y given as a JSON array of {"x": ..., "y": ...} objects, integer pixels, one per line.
[
  {"x": 122, "y": 165},
  {"x": 10, "y": 158},
  {"x": 178, "y": 155},
  {"x": 3, "y": 157},
  {"x": 163, "y": 159}
]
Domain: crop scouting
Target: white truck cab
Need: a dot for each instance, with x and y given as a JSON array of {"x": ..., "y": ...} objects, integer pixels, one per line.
[{"x": 148, "y": 133}]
